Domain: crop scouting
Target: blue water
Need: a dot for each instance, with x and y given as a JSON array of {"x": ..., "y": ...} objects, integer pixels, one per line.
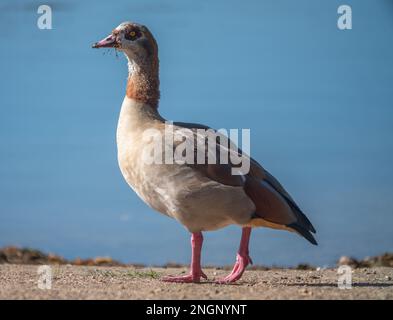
[{"x": 318, "y": 102}]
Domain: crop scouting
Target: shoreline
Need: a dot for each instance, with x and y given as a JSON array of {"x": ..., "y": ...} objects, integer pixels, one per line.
[{"x": 28, "y": 256}]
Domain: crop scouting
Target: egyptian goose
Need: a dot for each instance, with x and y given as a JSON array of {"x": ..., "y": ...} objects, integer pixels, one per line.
[{"x": 202, "y": 197}]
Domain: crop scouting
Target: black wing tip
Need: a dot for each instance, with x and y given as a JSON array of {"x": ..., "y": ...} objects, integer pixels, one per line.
[
  {"x": 304, "y": 232},
  {"x": 301, "y": 216},
  {"x": 313, "y": 241}
]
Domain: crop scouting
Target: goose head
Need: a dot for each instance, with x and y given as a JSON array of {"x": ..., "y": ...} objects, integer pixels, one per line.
[
  {"x": 134, "y": 39},
  {"x": 141, "y": 50}
]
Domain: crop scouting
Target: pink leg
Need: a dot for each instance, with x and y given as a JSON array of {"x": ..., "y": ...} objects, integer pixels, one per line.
[
  {"x": 196, "y": 272},
  {"x": 242, "y": 259}
]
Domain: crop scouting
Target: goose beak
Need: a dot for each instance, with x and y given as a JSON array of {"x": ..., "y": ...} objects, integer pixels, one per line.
[{"x": 108, "y": 42}]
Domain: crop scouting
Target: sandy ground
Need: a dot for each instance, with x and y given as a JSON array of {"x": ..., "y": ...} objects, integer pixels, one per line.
[{"x": 82, "y": 282}]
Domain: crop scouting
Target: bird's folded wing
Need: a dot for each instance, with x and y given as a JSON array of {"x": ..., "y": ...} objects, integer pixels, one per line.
[{"x": 273, "y": 203}]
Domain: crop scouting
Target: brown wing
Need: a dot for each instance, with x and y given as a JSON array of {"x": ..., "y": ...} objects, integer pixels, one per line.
[
  {"x": 269, "y": 204},
  {"x": 274, "y": 206}
]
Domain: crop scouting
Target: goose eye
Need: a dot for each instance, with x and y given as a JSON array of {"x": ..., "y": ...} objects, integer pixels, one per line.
[{"x": 132, "y": 35}]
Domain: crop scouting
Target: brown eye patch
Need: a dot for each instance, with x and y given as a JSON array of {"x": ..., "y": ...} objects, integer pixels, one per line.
[{"x": 132, "y": 34}]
